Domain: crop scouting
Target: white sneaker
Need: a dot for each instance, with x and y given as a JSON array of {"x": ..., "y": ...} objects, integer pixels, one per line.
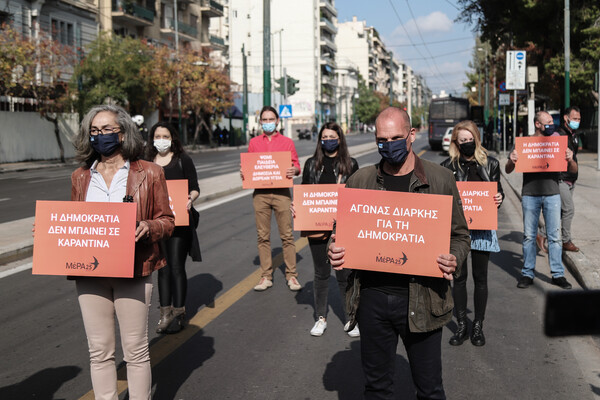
[
  {"x": 263, "y": 284},
  {"x": 294, "y": 284},
  {"x": 354, "y": 333},
  {"x": 319, "y": 327}
]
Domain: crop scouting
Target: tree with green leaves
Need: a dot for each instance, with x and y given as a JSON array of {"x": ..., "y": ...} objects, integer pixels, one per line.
[
  {"x": 368, "y": 104},
  {"x": 116, "y": 69},
  {"x": 537, "y": 27}
]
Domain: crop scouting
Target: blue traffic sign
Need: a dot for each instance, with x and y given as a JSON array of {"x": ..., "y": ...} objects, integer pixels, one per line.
[{"x": 285, "y": 111}]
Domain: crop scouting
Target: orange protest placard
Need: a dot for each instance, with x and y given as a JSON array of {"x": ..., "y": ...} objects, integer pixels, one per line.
[
  {"x": 266, "y": 170},
  {"x": 394, "y": 232},
  {"x": 478, "y": 204},
  {"x": 315, "y": 207},
  {"x": 84, "y": 238},
  {"x": 541, "y": 154},
  {"x": 178, "y": 198}
]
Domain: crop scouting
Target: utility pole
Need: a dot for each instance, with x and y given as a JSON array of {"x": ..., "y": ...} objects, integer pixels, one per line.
[
  {"x": 285, "y": 95},
  {"x": 245, "y": 98},
  {"x": 567, "y": 55},
  {"x": 391, "y": 79},
  {"x": 176, "y": 25},
  {"x": 266, "y": 52}
]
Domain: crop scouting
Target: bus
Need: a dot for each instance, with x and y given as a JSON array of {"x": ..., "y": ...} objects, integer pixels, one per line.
[{"x": 444, "y": 113}]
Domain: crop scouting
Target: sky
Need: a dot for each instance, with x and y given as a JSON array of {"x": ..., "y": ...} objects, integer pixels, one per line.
[{"x": 421, "y": 34}]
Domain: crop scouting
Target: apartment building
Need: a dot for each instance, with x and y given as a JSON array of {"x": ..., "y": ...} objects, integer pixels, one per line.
[{"x": 302, "y": 41}]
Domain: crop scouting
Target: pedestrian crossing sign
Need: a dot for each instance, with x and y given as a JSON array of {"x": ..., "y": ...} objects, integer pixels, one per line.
[{"x": 285, "y": 111}]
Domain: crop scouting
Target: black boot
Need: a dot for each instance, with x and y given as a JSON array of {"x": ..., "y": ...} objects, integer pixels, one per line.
[
  {"x": 461, "y": 332},
  {"x": 477, "y": 337}
]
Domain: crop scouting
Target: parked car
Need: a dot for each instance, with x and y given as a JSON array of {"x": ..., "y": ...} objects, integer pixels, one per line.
[
  {"x": 446, "y": 140},
  {"x": 303, "y": 134}
]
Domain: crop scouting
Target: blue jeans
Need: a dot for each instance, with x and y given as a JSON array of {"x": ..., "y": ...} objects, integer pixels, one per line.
[{"x": 550, "y": 206}]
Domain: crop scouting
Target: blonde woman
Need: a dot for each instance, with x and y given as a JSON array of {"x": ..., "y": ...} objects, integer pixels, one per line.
[{"x": 469, "y": 161}]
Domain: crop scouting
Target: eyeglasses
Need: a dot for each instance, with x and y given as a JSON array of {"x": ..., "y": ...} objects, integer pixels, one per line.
[{"x": 104, "y": 131}]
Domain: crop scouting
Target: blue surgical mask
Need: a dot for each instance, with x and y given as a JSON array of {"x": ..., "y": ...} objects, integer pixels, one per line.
[
  {"x": 330, "y": 145},
  {"x": 549, "y": 129},
  {"x": 393, "y": 152},
  {"x": 268, "y": 127},
  {"x": 574, "y": 125},
  {"x": 105, "y": 144}
]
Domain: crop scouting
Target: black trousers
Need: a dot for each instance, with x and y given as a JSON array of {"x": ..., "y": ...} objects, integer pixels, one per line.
[
  {"x": 318, "y": 249},
  {"x": 172, "y": 279},
  {"x": 479, "y": 261},
  {"x": 382, "y": 318}
]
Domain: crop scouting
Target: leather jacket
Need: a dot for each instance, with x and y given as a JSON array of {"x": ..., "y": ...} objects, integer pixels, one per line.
[
  {"x": 311, "y": 176},
  {"x": 489, "y": 172},
  {"x": 430, "y": 301},
  {"x": 146, "y": 184}
]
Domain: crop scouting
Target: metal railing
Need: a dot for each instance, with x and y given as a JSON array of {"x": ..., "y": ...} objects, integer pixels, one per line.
[
  {"x": 182, "y": 27},
  {"x": 133, "y": 9}
]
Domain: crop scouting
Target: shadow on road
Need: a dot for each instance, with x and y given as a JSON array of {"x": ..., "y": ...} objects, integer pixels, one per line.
[
  {"x": 41, "y": 385},
  {"x": 344, "y": 375},
  {"x": 176, "y": 369}
]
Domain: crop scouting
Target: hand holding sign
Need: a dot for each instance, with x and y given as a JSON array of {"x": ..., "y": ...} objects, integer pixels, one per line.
[
  {"x": 541, "y": 154},
  {"x": 267, "y": 170}
]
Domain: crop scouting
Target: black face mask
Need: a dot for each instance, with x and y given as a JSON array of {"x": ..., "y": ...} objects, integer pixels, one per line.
[
  {"x": 394, "y": 152},
  {"x": 330, "y": 145},
  {"x": 467, "y": 148},
  {"x": 549, "y": 129},
  {"x": 105, "y": 144}
]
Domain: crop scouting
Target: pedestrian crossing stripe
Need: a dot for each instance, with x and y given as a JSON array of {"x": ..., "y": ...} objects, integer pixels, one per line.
[{"x": 285, "y": 111}]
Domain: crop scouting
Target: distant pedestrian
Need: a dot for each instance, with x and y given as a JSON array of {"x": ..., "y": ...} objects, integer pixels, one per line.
[
  {"x": 388, "y": 305},
  {"x": 331, "y": 163},
  {"x": 278, "y": 201},
  {"x": 110, "y": 146},
  {"x": 469, "y": 161},
  {"x": 165, "y": 149},
  {"x": 541, "y": 193}
]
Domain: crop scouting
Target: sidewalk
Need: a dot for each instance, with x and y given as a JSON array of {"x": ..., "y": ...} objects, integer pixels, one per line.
[
  {"x": 583, "y": 264},
  {"x": 16, "y": 241}
]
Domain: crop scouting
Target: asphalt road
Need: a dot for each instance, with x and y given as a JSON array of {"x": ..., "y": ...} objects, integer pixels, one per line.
[{"x": 243, "y": 344}]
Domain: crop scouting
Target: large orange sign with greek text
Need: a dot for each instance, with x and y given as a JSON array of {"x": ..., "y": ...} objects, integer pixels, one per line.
[
  {"x": 478, "y": 204},
  {"x": 315, "y": 207},
  {"x": 394, "y": 232},
  {"x": 178, "y": 198},
  {"x": 541, "y": 154},
  {"x": 84, "y": 238},
  {"x": 266, "y": 170}
]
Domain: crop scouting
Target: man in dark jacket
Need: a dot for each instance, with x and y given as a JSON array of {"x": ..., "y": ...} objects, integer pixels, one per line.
[{"x": 386, "y": 305}]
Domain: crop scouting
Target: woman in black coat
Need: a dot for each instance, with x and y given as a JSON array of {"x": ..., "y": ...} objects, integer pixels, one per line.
[{"x": 470, "y": 162}]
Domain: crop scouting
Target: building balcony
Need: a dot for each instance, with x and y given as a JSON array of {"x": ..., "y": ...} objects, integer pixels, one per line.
[
  {"x": 326, "y": 42},
  {"x": 328, "y": 7},
  {"x": 214, "y": 42},
  {"x": 211, "y": 8},
  {"x": 127, "y": 12},
  {"x": 328, "y": 26},
  {"x": 327, "y": 61},
  {"x": 186, "y": 32}
]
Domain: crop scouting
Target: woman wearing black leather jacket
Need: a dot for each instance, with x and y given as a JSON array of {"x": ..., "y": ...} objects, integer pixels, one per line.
[
  {"x": 330, "y": 164},
  {"x": 470, "y": 162}
]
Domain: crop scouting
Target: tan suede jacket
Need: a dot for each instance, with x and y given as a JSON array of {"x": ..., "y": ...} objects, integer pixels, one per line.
[{"x": 146, "y": 184}]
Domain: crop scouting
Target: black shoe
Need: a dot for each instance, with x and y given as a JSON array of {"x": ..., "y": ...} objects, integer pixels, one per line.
[
  {"x": 524, "y": 282},
  {"x": 460, "y": 335},
  {"x": 562, "y": 282},
  {"x": 477, "y": 337}
]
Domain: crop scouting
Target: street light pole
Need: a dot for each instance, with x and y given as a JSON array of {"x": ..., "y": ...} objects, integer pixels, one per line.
[
  {"x": 176, "y": 25},
  {"x": 266, "y": 52},
  {"x": 567, "y": 56}
]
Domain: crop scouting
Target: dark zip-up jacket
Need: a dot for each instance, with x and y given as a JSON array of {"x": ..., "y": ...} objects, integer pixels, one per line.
[{"x": 430, "y": 300}]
